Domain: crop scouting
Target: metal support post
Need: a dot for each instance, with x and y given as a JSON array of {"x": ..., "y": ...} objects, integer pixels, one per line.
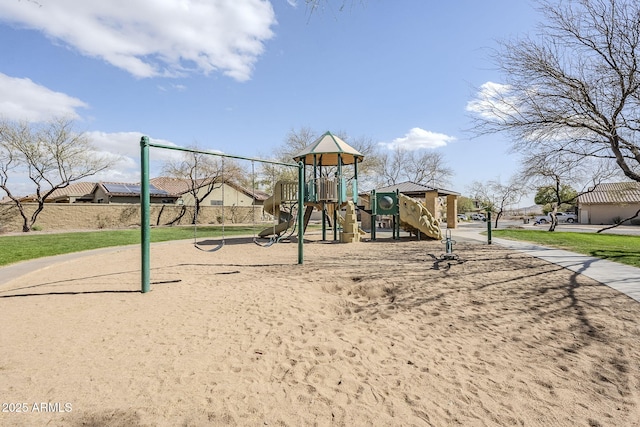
[
  {"x": 145, "y": 226},
  {"x": 300, "y": 213},
  {"x": 489, "y": 227}
]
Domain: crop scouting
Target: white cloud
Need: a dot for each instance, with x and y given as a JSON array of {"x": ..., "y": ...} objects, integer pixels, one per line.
[
  {"x": 126, "y": 146},
  {"x": 493, "y": 101},
  {"x": 22, "y": 99},
  {"x": 153, "y": 38},
  {"x": 417, "y": 139}
]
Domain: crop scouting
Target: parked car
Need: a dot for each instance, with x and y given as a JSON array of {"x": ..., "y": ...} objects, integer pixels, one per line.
[
  {"x": 462, "y": 217},
  {"x": 478, "y": 217},
  {"x": 562, "y": 217}
]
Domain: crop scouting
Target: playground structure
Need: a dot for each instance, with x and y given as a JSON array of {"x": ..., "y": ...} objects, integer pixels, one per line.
[
  {"x": 406, "y": 213},
  {"x": 322, "y": 184},
  {"x": 325, "y": 186},
  {"x": 326, "y": 163},
  {"x": 282, "y": 205}
]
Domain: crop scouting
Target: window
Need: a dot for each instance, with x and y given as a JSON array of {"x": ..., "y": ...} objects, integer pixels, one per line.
[{"x": 216, "y": 203}]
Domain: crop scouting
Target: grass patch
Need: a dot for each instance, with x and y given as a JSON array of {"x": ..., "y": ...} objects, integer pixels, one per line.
[
  {"x": 613, "y": 247},
  {"x": 33, "y": 245}
]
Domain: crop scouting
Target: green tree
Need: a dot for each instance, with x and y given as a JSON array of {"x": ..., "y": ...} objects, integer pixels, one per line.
[
  {"x": 562, "y": 197},
  {"x": 465, "y": 204}
]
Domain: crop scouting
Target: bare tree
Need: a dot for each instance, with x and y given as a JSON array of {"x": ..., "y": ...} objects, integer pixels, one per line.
[
  {"x": 390, "y": 166},
  {"x": 298, "y": 139},
  {"x": 553, "y": 173},
  {"x": 419, "y": 166},
  {"x": 52, "y": 156},
  {"x": 203, "y": 174},
  {"x": 428, "y": 167},
  {"x": 494, "y": 196},
  {"x": 575, "y": 88}
]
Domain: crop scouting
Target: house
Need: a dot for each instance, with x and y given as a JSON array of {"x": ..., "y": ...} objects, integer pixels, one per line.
[
  {"x": 163, "y": 190},
  {"x": 229, "y": 194},
  {"x": 78, "y": 192},
  {"x": 119, "y": 192},
  {"x": 609, "y": 203}
]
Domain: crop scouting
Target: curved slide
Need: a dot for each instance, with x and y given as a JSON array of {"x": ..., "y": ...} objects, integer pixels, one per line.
[
  {"x": 414, "y": 217},
  {"x": 281, "y": 227}
]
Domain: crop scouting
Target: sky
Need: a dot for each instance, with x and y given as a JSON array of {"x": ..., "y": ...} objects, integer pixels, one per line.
[{"x": 237, "y": 76}]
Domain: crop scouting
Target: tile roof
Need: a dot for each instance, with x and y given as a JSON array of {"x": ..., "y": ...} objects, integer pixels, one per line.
[
  {"x": 78, "y": 189},
  {"x": 612, "y": 193},
  {"x": 179, "y": 186},
  {"x": 176, "y": 186}
]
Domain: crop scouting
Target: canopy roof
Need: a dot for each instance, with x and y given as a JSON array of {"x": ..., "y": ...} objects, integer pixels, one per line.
[{"x": 327, "y": 149}]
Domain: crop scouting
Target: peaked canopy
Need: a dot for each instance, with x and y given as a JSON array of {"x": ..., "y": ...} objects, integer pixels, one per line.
[{"x": 326, "y": 150}]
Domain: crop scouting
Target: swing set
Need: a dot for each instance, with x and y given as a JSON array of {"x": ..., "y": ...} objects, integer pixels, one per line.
[
  {"x": 145, "y": 206},
  {"x": 195, "y": 222}
]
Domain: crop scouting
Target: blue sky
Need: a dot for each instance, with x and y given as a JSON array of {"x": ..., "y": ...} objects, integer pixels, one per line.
[{"x": 238, "y": 75}]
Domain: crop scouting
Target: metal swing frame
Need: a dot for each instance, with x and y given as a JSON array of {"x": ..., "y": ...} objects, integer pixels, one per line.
[
  {"x": 195, "y": 225},
  {"x": 274, "y": 238},
  {"x": 145, "y": 202}
]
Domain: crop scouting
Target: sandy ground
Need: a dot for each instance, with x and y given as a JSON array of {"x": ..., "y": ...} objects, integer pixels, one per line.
[{"x": 373, "y": 333}]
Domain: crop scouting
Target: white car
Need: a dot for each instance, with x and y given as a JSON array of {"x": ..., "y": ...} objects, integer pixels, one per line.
[
  {"x": 562, "y": 217},
  {"x": 478, "y": 217}
]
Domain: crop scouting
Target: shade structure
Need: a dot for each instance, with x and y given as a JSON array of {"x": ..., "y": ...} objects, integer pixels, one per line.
[{"x": 327, "y": 150}]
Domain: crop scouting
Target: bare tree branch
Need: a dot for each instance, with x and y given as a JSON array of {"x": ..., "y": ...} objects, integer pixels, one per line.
[
  {"x": 576, "y": 87},
  {"x": 52, "y": 155}
]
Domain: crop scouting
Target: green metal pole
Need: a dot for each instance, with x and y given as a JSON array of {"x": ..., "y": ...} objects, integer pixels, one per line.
[
  {"x": 374, "y": 214},
  {"x": 355, "y": 182},
  {"x": 145, "y": 226},
  {"x": 396, "y": 217},
  {"x": 300, "y": 213},
  {"x": 489, "y": 227}
]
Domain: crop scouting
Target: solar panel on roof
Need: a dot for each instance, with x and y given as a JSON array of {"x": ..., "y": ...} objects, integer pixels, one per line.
[
  {"x": 133, "y": 189},
  {"x": 116, "y": 188},
  {"x": 154, "y": 190}
]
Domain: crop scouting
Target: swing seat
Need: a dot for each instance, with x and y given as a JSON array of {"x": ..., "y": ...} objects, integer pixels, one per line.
[
  {"x": 215, "y": 248},
  {"x": 265, "y": 245}
]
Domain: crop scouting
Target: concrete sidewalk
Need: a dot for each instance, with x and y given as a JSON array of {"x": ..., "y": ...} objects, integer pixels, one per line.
[{"x": 623, "y": 278}]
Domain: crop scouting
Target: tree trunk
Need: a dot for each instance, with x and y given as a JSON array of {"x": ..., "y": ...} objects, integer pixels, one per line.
[
  {"x": 552, "y": 214},
  {"x": 183, "y": 211},
  {"x": 25, "y": 221}
]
